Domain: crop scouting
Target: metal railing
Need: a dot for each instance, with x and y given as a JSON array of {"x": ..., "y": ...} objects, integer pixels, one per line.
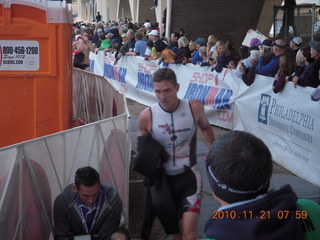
[{"x": 301, "y": 20}]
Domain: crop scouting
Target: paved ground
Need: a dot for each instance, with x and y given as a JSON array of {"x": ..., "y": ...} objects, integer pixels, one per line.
[{"x": 280, "y": 177}]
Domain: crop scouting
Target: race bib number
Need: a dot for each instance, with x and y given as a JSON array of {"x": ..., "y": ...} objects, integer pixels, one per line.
[{"x": 19, "y": 55}]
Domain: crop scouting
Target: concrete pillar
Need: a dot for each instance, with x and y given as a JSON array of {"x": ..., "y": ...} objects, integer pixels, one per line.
[
  {"x": 266, "y": 17},
  {"x": 82, "y": 10},
  {"x": 89, "y": 11},
  {"x": 134, "y": 9},
  {"x": 124, "y": 9},
  {"x": 168, "y": 19},
  {"x": 159, "y": 14},
  {"x": 113, "y": 9},
  {"x": 145, "y": 11},
  {"x": 103, "y": 10},
  {"x": 108, "y": 9},
  {"x": 98, "y": 6}
]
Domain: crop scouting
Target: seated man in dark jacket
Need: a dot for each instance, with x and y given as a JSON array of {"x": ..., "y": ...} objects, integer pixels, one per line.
[{"x": 89, "y": 208}]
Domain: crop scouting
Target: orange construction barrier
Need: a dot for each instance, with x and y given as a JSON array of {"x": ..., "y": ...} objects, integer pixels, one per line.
[{"x": 35, "y": 69}]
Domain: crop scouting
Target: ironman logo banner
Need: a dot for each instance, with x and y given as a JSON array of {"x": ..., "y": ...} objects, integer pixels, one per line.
[{"x": 19, "y": 55}]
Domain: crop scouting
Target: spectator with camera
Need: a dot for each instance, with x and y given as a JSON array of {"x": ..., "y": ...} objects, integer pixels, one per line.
[{"x": 268, "y": 65}]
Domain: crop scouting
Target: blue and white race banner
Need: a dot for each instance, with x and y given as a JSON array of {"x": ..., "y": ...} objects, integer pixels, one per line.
[{"x": 133, "y": 77}]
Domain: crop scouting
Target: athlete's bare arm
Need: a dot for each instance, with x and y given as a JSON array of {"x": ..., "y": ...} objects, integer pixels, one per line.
[
  {"x": 75, "y": 45},
  {"x": 202, "y": 122},
  {"x": 144, "y": 122},
  {"x": 90, "y": 45}
]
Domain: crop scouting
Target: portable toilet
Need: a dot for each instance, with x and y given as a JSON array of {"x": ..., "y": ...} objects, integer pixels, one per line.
[{"x": 35, "y": 69}]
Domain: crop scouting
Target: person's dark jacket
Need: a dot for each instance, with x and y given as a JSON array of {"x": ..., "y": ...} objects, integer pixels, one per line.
[
  {"x": 223, "y": 61},
  {"x": 182, "y": 54},
  {"x": 127, "y": 46},
  {"x": 173, "y": 44},
  {"x": 234, "y": 55},
  {"x": 310, "y": 75},
  {"x": 150, "y": 156},
  {"x": 268, "y": 66},
  {"x": 159, "y": 199},
  {"x": 249, "y": 76},
  {"x": 96, "y": 41},
  {"x": 115, "y": 32},
  {"x": 278, "y": 85},
  {"x": 260, "y": 218},
  {"x": 67, "y": 221}
]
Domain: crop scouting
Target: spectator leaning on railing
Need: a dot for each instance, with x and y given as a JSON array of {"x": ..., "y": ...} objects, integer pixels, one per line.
[
  {"x": 269, "y": 67},
  {"x": 221, "y": 57},
  {"x": 310, "y": 76},
  {"x": 199, "y": 43}
]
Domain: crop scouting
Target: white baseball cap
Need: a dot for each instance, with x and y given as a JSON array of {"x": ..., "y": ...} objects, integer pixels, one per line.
[
  {"x": 147, "y": 25},
  {"x": 154, "y": 32},
  {"x": 297, "y": 40}
]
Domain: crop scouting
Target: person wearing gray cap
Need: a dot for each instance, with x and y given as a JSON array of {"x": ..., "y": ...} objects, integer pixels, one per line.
[{"x": 199, "y": 42}]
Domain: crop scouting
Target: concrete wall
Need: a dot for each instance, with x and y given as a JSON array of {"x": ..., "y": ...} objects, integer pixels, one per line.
[
  {"x": 266, "y": 17},
  {"x": 124, "y": 4},
  {"x": 199, "y": 18},
  {"x": 145, "y": 12},
  {"x": 226, "y": 19},
  {"x": 109, "y": 9}
]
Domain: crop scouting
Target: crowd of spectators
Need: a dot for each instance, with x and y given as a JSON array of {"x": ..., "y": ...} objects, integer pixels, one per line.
[{"x": 295, "y": 61}]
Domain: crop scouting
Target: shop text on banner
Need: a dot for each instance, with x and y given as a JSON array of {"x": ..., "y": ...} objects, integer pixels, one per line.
[{"x": 133, "y": 77}]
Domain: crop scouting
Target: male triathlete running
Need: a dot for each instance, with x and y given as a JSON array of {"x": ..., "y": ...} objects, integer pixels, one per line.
[{"x": 173, "y": 122}]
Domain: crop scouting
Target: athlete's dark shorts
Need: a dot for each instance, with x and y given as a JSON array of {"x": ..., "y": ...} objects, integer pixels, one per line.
[
  {"x": 81, "y": 66},
  {"x": 186, "y": 189}
]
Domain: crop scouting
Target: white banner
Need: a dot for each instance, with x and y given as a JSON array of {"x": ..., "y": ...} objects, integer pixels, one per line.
[
  {"x": 133, "y": 77},
  {"x": 285, "y": 121}
]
